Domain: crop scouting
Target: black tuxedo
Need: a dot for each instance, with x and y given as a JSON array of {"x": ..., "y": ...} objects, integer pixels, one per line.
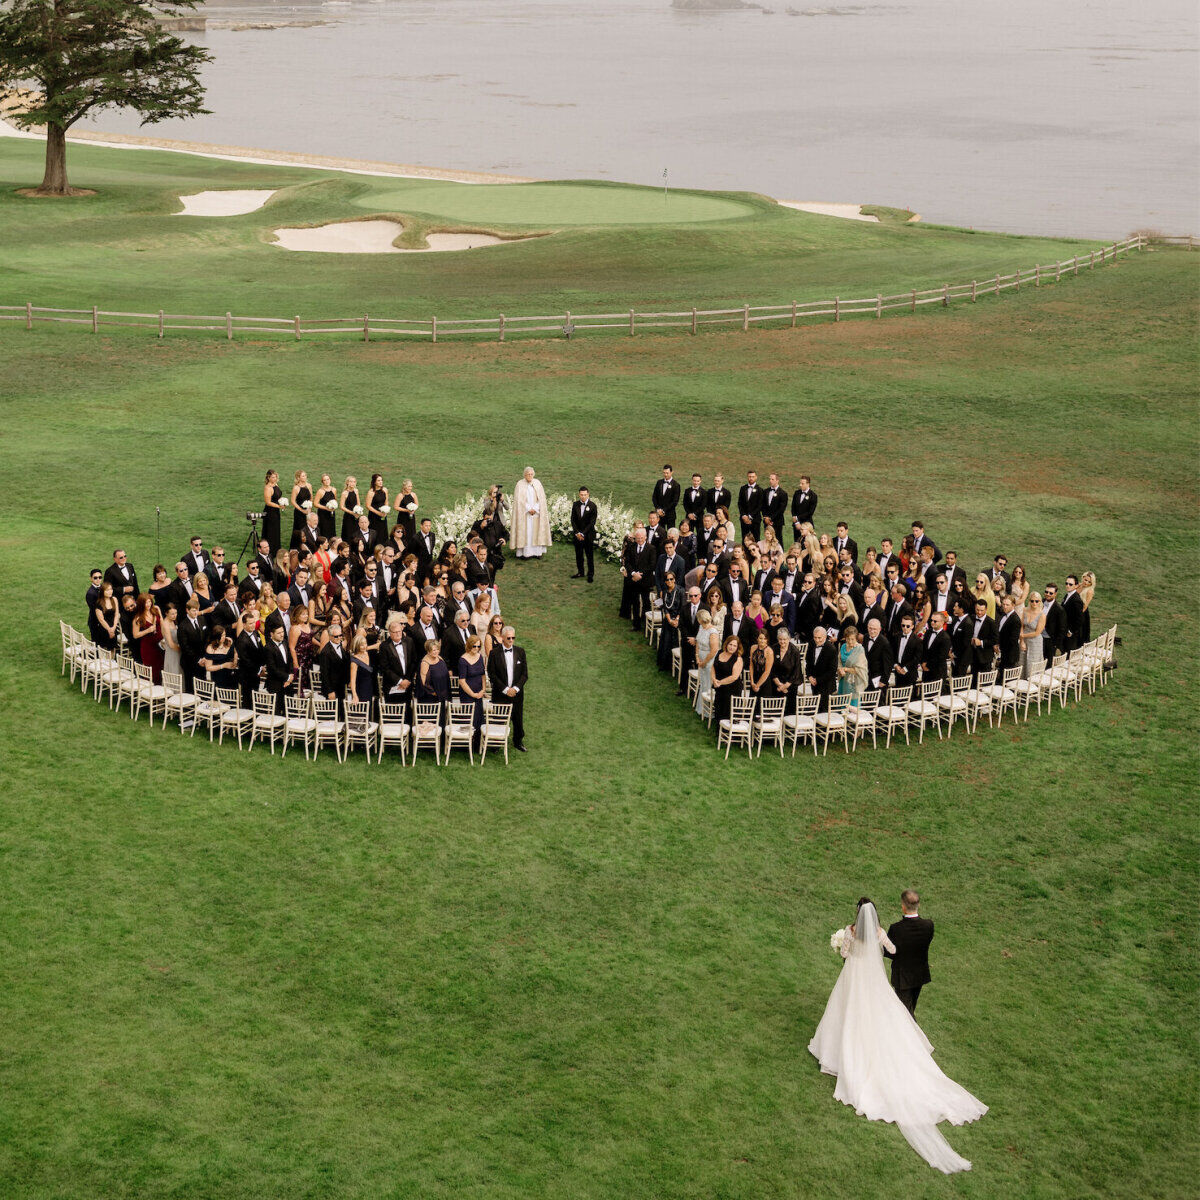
[
  {"x": 1072, "y": 608},
  {"x": 335, "y": 671},
  {"x": 937, "y": 656},
  {"x": 960, "y": 639},
  {"x": 746, "y": 631},
  {"x": 480, "y": 574},
  {"x": 953, "y": 573},
  {"x": 717, "y": 498},
  {"x": 689, "y": 624},
  {"x": 454, "y": 645},
  {"x": 761, "y": 581},
  {"x": 497, "y": 668},
  {"x": 786, "y": 602},
  {"x": 926, "y": 540},
  {"x": 750, "y": 498},
  {"x": 981, "y": 656},
  {"x": 276, "y": 619},
  {"x": 219, "y": 574},
  {"x": 583, "y": 521},
  {"x": 1055, "y": 630},
  {"x": 808, "y": 613},
  {"x": 774, "y": 508},
  {"x": 180, "y": 594},
  {"x": 789, "y": 669},
  {"x": 362, "y": 545},
  {"x": 895, "y": 614},
  {"x": 120, "y": 583},
  {"x": 397, "y": 664},
  {"x": 297, "y": 597},
  {"x": 804, "y": 508},
  {"x": 666, "y": 497},
  {"x": 250, "y": 660},
  {"x": 266, "y": 567},
  {"x": 739, "y": 592},
  {"x": 636, "y": 592},
  {"x": 910, "y": 960},
  {"x": 880, "y": 660},
  {"x": 194, "y": 567},
  {"x": 850, "y": 544},
  {"x": 822, "y": 667},
  {"x": 1008, "y": 638},
  {"x": 225, "y": 614},
  {"x": 308, "y": 539},
  {"x": 191, "y": 647},
  {"x": 278, "y": 663},
  {"x": 675, "y": 565},
  {"x": 908, "y": 658},
  {"x": 694, "y": 504}
]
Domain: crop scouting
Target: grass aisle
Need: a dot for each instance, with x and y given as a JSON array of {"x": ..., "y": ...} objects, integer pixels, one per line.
[{"x": 595, "y": 974}]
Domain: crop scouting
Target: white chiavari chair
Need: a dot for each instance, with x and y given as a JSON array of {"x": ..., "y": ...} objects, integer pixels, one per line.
[
  {"x": 736, "y": 729},
  {"x": 801, "y": 725},
  {"x": 299, "y": 725},
  {"x": 267, "y": 722},
  {"x": 833, "y": 723},
  {"x": 497, "y": 727}
]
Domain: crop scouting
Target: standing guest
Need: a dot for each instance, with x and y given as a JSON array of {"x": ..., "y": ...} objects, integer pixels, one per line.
[
  {"x": 886, "y": 555},
  {"x": 708, "y": 643},
  {"x": 326, "y": 504},
  {"x": 494, "y": 533},
  {"x": 935, "y": 661},
  {"x": 281, "y": 573},
  {"x": 323, "y": 562},
  {"x": 669, "y": 563},
  {"x": 227, "y": 611},
  {"x": 281, "y": 615},
  {"x": 1073, "y": 612},
  {"x": 983, "y": 640},
  {"x": 998, "y": 572},
  {"x": 278, "y": 666},
  {"x": 454, "y": 640},
  {"x": 406, "y": 507},
  {"x": 252, "y": 585},
  {"x": 146, "y": 633},
  {"x": 531, "y": 517},
  {"x": 670, "y": 604},
  {"x": 170, "y": 639},
  {"x": 1033, "y": 625},
  {"x": 272, "y": 505},
  {"x": 471, "y": 673},
  {"x": 425, "y": 548},
  {"x": 300, "y": 592},
  {"x": 481, "y": 613},
  {"x": 880, "y": 658},
  {"x": 92, "y": 598},
  {"x": 847, "y": 615},
  {"x": 249, "y": 651},
  {"x": 921, "y": 540},
  {"x": 350, "y": 504},
  {"x": 220, "y": 572},
  {"x": 162, "y": 588},
  {"x": 508, "y": 672},
  {"x": 718, "y": 498},
  {"x": 750, "y": 498},
  {"x": 852, "y": 667},
  {"x": 844, "y": 541},
  {"x": 201, "y": 594},
  {"x": 762, "y": 664},
  {"x": 301, "y": 504},
  {"x": 370, "y": 629},
  {"x": 922, "y": 607},
  {"x": 637, "y": 571},
  {"x": 361, "y": 684},
  {"x": 689, "y": 625},
  {"x": 1055, "y": 625},
  {"x": 125, "y": 619},
  {"x": 774, "y": 505},
  {"x": 726, "y": 677},
  {"x": 1018, "y": 589},
  {"x": 122, "y": 576},
  {"x": 962, "y": 628},
  {"x": 737, "y": 626},
  {"x": 715, "y": 606},
  {"x": 583, "y": 533},
  {"x": 397, "y": 664},
  {"x": 656, "y": 532},
  {"x": 694, "y": 502},
  {"x": 1087, "y": 590},
  {"x": 310, "y": 534},
  {"x": 197, "y": 558},
  {"x": 907, "y": 668},
  {"x": 725, "y": 526},
  {"x": 335, "y": 664},
  {"x": 492, "y": 638},
  {"x": 219, "y": 660},
  {"x": 1008, "y": 635},
  {"x": 300, "y": 646},
  {"x": 787, "y": 674},
  {"x": 377, "y": 510},
  {"x": 821, "y": 668},
  {"x": 804, "y": 508},
  {"x": 755, "y": 613},
  {"x": 665, "y": 497},
  {"x": 193, "y": 634},
  {"x": 983, "y": 591}
]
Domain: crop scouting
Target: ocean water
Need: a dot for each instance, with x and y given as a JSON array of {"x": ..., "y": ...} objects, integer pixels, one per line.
[{"x": 1034, "y": 116}]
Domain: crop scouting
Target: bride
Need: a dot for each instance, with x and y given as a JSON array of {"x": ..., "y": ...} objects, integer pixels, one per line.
[{"x": 883, "y": 1062}]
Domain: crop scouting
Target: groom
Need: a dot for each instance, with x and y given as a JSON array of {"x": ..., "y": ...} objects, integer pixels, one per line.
[{"x": 911, "y": 936}]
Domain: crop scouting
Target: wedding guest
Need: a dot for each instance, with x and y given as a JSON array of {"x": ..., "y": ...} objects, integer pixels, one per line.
[
  {"x": 787, "y": 673},
  {"x": 847, "y": 615},
  {"x": 935, "y": 659},
  {"x": 277, "y": 663},
  {"x": 983, "y": 639},
  {"x": 843, "y": 540},
  {"x": 272, "y": 503},
  {"x": 203, "y": 596},
  {"x": 249, "y": 650},
  {"x": 162, "y": 589},
  {"x": 852, "y": 666},
  {"x": 371, "y": 631},
  {"x": 755, "y": 613},
  {"x": 637, "y": 572},
  {"x": 750, "y": 498},
  {"x": 193, "y": 634},
  {"x": 762, "y": 664},
  {"x": 714, "y": 600},
  {"x": 508, "y": 672},
  {"x": 219, "y": 660},
  {"x": 1008, "y": 636},
  {"x": 1087, "y": 591},
  {"x": 170, "y": 639},
  {"x": 665, "y": 497},
  {"x": 122, "y": 576},
  {"x": 362, "y": 673},
  {"x": 804, "y": 508},
  {"x": 907, "y": 669},
  {"x": 726, "y": 677},
  {"x": 300, "y": 646},
  {"x": 301, "y": 501},
  {"x": 1033, "y": 625},
  {"x": 472, "y": 671},
  {"x": 670, "y": 605},
  {"x": 821, "y": 668},
  {"x": 880, "y": 657},
  {"x": 1055, "y": 624},
  {"x": 983, "y": 591},
  {"x": 454, "y": 640},
  {"x": 281, "y": 616},
  {"x": 146, "y": 634},
  {"x": 1018, "y": 588}
]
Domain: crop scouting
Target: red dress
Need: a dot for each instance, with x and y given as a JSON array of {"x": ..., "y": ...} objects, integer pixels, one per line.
[{"x": 150, "y": 651}]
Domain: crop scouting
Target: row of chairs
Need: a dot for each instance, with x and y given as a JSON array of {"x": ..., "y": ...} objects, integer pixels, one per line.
[
  {"x": 309, "y": 721},
  {"x": 895, "y": 710}
]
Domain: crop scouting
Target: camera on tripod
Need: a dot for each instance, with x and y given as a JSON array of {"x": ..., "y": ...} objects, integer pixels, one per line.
[{"x": 254, "y": 516}]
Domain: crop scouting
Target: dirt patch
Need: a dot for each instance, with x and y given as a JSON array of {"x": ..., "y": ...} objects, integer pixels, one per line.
[{"x": 38, "y": 194}]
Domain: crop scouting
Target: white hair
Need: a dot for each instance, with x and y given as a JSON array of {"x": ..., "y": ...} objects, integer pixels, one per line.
[{"x": 507, "y": 630}]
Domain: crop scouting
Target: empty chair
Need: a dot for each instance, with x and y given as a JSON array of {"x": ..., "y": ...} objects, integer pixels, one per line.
[
  {"x": 331, "y": 730},
  {"x": 460, "y": 730},
  {"x": 208, "y": 708},
  {"x": 924, "y": 709},
  {"x": 677, "y": 664},
  {"x": 979, "y": 698},
  {"x": 497, "y": 726},
  {"x": 147, "y": 694},
  {"x": 693, "y": 682},
  {"x": 314, "y": 679},
  {"x": 768, "y": 724},
  {"x": 299, "y": 725},
  {"x": 892, "y": 715},
  {"x": 862, "y": 719},
  {"x": 1003, "y": 695},
  {"x": 360, "y": 729},
  {"x": 235, "y": 719},
  {"x": 394, "y": 729},
  {"x": 427, "y": 730},
  {"x": 802, "y": 724},
  {"x": 125, "y": 682},
  {"x": 735, "y": 729},
  {"x": 267, "y": 722},
  {"x": 953, "y": 707},
  {"x": 833, "y": 723},
  {"x": 178, "y": 703}
]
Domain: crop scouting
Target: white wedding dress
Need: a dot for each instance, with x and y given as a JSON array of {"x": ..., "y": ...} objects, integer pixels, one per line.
[{"x": 883, "y": 1062}]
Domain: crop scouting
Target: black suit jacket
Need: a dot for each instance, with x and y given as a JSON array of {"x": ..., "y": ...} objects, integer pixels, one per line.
[
  {"x": 749, "y": 504},
  {"x": 666, "y": 497},
  {"x": 392, "y": 670},
  {"x": 775, "y": 508},
  {"x": 1072, "y": 608},
  {"x": 1055, "y": 631},
  {"x": 191, "y": 641},
  {"x": 982, "y": 656},
  {"x": 804, "y": 506},
  {"x": 822, "y": 666},
  {"x": 908, "y": 659},
  {"x": 851, "y": 545},
  {"x": 694, "y": 504},
  {"x": 335, "y": 671},
  {"x": 266, "y": 568},
  {"x": 937, "y": 655},
  {"x": 583, "y": 520},
  {"x": 880, "y": 660},
  {"x": 639, "y": 558},
  {"x": 743, "y": 591},
  {"x": 309, "y": 538},
  {"x": 718, "y": 498},
  {"x": 279, "y": 668},
  {"x": 454, "y": 643},
  {"x": 250, "y": 658},
  {"x": 119, "y": 582},
  {"x": 910, "y": 962},
  {"x": 960, "y": 640},
  {"x": 1008, "y": 637},
  {"x": 224, "y": 614},
  {"x": 746, "y": 632},
  {"x": 498, "y": 673},
  {"x": 189, "y": 560}
]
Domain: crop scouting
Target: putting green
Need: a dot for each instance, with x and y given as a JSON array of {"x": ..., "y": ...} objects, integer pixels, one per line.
[{"x": 558, "y": 204}]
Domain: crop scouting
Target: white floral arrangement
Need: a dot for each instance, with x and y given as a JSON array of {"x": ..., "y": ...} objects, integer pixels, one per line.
[
  {"x": 283, "y": 502},
  {"x": 307, "y": 506},
  {"x": 358, "y": 510},
  {"x": 455, "y": 523},
  {"x": 839, "y": 939},
  {"x": 387, "y": 508},
  {"x": 613, "y": 523},
  {"x": 332, "y": 506}
]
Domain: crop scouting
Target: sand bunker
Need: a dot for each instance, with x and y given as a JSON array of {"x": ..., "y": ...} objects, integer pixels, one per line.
[
  {"x": 850, "y": 212},
  {"x": 376, "y": 237},
  {"x": 223, "y": 204}
]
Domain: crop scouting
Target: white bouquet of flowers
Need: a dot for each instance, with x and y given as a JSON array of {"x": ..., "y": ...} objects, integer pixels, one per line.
[
  {"x": 358, "y": 510},
  {"x": 387, "y": 508},
  {"x": 307, "y": 506},
  {"x": 612, "y": 523},
  {"x": 455, "y": 523},
  {"x": 839, "y": 940},
  {"x": 332, "y": 506},
  {"x": 283, "y": 502}
]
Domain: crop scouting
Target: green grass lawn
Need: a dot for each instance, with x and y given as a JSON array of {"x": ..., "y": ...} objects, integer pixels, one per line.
[{"x": 595, "y": 973}]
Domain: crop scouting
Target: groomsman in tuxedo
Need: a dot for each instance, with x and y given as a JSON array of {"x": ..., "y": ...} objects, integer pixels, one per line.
[
  {"x": 1008, "y": 635},
  {"x": 821, "y": 668},
  {"x": 718, "y": 495},
  {"x": 788, "y": 671},
  {"x": 389, "y": 574},
  {"x": 760, "y": 581},
  {"x": 249, "y": 650},
  {"x": 804, "y": 506},
  {"x": 750, "y": 498},
  {"x": 300, "y": 591},
  {"x": 848, "y": 584},
  {"x": 479, "y": 570},
  {"x": 266, "y": 564},
  {"x": 508, "y": 672},
  {"x": 880, "y": 657},
  {"x": 983, "y": 640},
  {"x": 844, "y": 541},
  {"x": 872, "y": 610},
  {"x": 192, "y": 634},
  {"x": 911, "y": 936},
  {"x": 427, "y": 627},
  {"x": 196, "y": 558},
  {"x": 251, "y": 586},
  {"x": 665, "y": 498},
  {"x": 122, "y": 576},
  {"x": 1072, "y": 608},
  {"x": 583, "y": 532},
  {"x": 936, "y": 657},
  {"x": 779, "y": 595},
  {"x": 774, "y": 505},
  {"x": 705, "y": 534},
  {"x": 397, "y": 664},
  {"x": 920, "y": 541},
  {"x": 637, "y": 573},
  {"x": 362, "y": 542},
  {"x": 425, "y": 546},
  {"x": 695, "y": 502},
  {"x": 1055, "y": 630},
  {"x": 669, "y": 563},
  {"x": 735, "y": 587},
  {"x": 908, "y": 655},
  {"x": 962, "y": 628},
  {"x": 335, "y": 665},
  {"x": 886, "y": 556},
  {"x": 927, "y": 567},
  {"x": 689, "y": 625},
  {"x": 279, "y": 673}
]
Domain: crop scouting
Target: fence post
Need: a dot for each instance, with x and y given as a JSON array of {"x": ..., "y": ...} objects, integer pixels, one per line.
[
  {"x": 793, "y": 314},
  {"x": 28, "y": 314},
  {"x": 945, "y": 295},
  {"x": 1075, "y": 262},
  {"x": 229, "y": 327},
  {"x": 745, "y": 317},
  {"x": 914, "y": 300},
  {"x": 296, "y": 326},
  {"x": 502, "y": 327},
  {"x": 974, "y": 291},
  {"x": 160, "y": 323},
  {"x": 95, "y": 319},
  {"x": 1057, "y": 271},
  {"x": 837, "y": 308},
  {"x": 366, "y": 327},
  {"x": 1037, "y": 275},
  {"x": 1092, "y": 260},
  {"x": 433, "y": 328},
  {"x": 631, "y": 322},
  {"x": 997, "y": 283},
  {"x": 1018, "y": 279},
  {"x": 693, "y": 322},
  {"x": 567, "y": 325},
  {"x": 879, "y": 306}
]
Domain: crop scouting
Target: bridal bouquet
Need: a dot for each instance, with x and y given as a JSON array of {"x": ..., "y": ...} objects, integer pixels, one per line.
[
  {"x": 838, "y": 940},
  {"x": 358, "y": 510},
  {"x": 283, "y": 502},
  {"x": 387, "y": 508},
  {"x": 307, "y": 506},
  {"x": 332, "y": 506}
]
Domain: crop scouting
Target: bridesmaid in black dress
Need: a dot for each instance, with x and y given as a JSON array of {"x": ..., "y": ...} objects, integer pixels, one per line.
[
  {"x": 325, "y": 515},
  {"x": 406, "y": 505},
  {"x": 301, "y": 495},
  {"x": 726, "y": 677},
  {"x": 271, "y": 497},
  {"x": 350, "y": 502},
  {"x": 161, "y": 588},
  {"x": 377, "y": 503}
]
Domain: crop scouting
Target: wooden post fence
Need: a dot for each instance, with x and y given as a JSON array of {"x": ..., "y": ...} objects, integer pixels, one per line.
[
  {"x": 745, "y": 318},
  {"x": 694, "y": 319},
  {"x": 914, "y": 300},
  {"x": 631, "y": 322},
  {"x": 229, "y": 327},
  {"x": 433, "y": 328},
  {"x": 366, "y": 327},
  {"x": 973, "y": 291},
  {"x": 793, "y": 314},
  {"x": 945, "y": 295},
  {"x": 160, "y": 323},
  {"x": 95, "y": 319},
  {"x": 879, "y": 306},
  {"x": 296, "y": 327},
  {"x": 502, "y": 327}
]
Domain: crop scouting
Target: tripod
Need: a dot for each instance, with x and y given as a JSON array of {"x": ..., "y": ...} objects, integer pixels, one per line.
[{"x": 251, "y": 540}]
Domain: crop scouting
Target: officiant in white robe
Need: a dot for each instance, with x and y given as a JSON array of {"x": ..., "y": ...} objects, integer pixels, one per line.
[{"x": 531, "y": 517}]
